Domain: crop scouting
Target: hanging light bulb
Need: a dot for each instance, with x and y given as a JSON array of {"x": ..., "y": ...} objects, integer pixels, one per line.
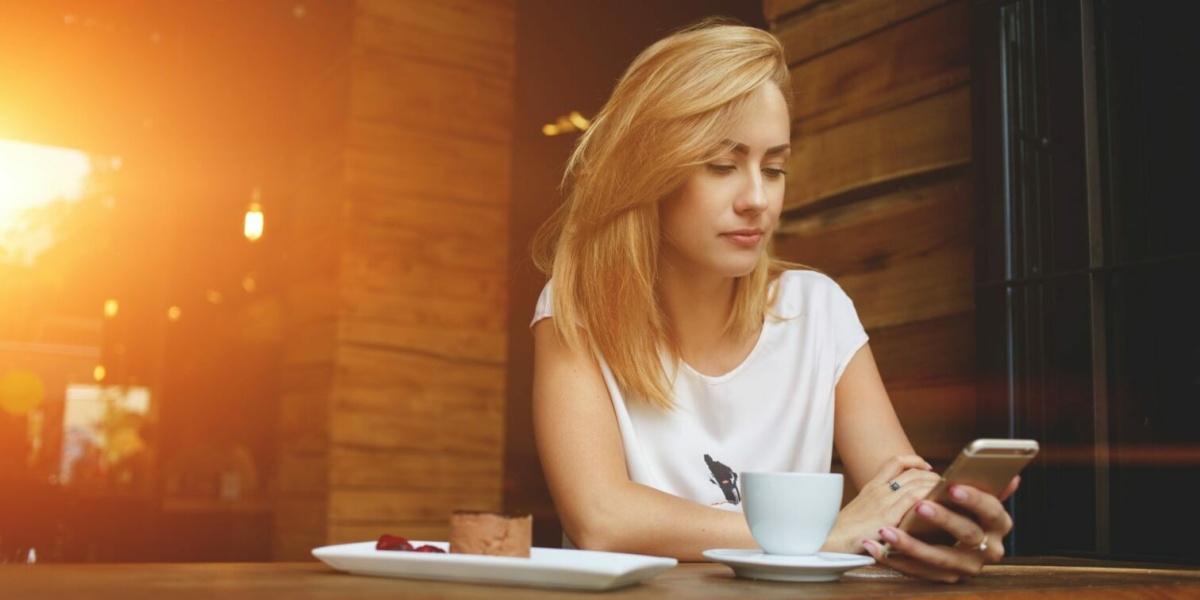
[
  {"x": 111, "y": 306},
  {"x": 253, "y": 228}
]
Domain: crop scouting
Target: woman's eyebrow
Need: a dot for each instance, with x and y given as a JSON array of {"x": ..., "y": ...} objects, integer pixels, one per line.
[{"x": 744, "y": 149}]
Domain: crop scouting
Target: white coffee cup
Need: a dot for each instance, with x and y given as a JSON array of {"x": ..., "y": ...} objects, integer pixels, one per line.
[{"x": 791, "y": 513}]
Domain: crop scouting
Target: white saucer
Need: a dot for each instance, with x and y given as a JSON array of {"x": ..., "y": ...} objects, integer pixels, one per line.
[{"x": 754, "y": 564}]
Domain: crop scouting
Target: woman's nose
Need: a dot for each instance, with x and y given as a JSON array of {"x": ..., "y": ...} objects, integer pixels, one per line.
[{"x": 753, "y": 196}]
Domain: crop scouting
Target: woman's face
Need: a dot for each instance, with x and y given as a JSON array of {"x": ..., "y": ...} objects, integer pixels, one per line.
[{"x": 719, "y": 222}]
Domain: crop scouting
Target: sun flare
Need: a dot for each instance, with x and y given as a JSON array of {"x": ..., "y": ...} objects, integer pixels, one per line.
[{"x": 32, "y": 175}]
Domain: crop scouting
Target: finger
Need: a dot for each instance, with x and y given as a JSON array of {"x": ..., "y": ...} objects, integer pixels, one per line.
[
  {"x": 964, "y": 529},
  {"x": 894, "y": 559},
  {"x": 930, "y": 559},
  {"x": 990, "y": 512},
  {"x": 912, "y": 568},
  {"x": 1011, "y": 489},
  {"x": 910, "y": 487},
  {"x": 899, "y": 464}
]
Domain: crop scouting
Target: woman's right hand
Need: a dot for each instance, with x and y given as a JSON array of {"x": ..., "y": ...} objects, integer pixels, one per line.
[{"x": 878, "y": 505}]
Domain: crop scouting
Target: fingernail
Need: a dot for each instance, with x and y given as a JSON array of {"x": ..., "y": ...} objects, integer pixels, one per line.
[
  {"x": 925, "y": 510},
  {"x": 888, "y": 534},
  {"x": 928, "y": 467},
  {"x": 958, "y": 493}
]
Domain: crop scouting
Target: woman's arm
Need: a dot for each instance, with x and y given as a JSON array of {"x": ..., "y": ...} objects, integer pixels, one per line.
[
  {"x": 580, "y": 448},
  {"x": 867, "y": 434},
  {"x": 875, "y": 452},
  {"x": 866, "y": 431}
]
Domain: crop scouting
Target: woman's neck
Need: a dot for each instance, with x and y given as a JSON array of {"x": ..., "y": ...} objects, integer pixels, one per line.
[{"x": 697, "y": 309}]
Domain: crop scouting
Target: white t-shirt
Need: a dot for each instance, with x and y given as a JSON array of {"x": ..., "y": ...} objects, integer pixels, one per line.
[{"x": 773, "y": 412}]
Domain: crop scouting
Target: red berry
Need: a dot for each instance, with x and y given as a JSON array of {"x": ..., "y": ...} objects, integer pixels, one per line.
[
  {"x": 429, "y": 548},
  {"x": 392, "y": 542}
]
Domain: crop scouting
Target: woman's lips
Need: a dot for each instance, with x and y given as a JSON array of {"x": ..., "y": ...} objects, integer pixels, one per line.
[{"x": 746, "y": 238}]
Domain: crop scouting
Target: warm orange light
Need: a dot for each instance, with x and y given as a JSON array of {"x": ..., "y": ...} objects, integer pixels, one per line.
[
  {"x": 579, "y": 121},
  {"x": 174, "y": 313},
  {"x": 249, "y": 284},
  {"x": 99, "y": 372},
  {"x": 111, "y": 306},
  {"x": 32, "y": 175},
  {"x": 21, "y": 391},
  {"x": 253, "y": 227},
  {"x": 213, "y": 296},
  {"x": 567, "y": 123}
]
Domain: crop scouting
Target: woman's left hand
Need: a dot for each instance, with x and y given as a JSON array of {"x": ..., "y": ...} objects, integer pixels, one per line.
[{"x": 980, "y": 541}]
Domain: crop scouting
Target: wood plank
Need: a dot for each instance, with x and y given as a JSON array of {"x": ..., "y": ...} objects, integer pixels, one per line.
[
  {"x": 835, "y": 23},
  {"x": 937, "y": 284},
  {"x": 926, "y": 350},
  {"x": 875, "y": 233},
  {"x": 396, "y": 274},
  {"x": 349, "y": 506},
  {"x": 467, "y": 342},
  {"x": 776, "y": 9},
  {"x": 402, "y": 231},
  {"x": 367, "y": 468},
  {"x": 439, "y": 99},
  {"x": 477, "y": 34},
  {"x": 419, "y": 379},
  {"x": 933, "y": 133},
  {"x": 914, "y": 59},
  {"x": 469, "y": 432},
  {"x": 395, "y": 162},
  {"x": 939, "y": 417}
]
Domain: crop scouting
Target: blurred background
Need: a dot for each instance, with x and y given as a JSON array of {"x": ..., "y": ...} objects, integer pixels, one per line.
[{"x": 264, "y": 274}]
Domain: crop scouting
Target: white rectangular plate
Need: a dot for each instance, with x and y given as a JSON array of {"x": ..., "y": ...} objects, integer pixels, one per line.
[{"x": 546, "y": 567}]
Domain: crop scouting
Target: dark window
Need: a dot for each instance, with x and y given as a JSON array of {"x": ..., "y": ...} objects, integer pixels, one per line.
[{"x": 1088, "y": 268}]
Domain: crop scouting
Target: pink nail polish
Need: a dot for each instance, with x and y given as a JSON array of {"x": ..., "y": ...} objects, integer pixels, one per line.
[
  {"x": 958, "y": 493},
  {"x": 888, "y": 534},
  {"x": 925, "y": 510}
]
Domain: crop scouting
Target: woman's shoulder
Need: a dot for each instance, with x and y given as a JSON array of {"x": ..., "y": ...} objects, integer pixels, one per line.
[
  {"x": 807, "y": 281},
  {"x": 802, "y": 288}
]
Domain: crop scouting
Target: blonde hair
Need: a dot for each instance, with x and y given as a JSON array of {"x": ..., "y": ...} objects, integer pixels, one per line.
[{"x": 669, "y": 112}]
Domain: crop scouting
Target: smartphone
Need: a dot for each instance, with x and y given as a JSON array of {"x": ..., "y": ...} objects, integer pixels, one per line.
[{"x": 985, "y": 464}]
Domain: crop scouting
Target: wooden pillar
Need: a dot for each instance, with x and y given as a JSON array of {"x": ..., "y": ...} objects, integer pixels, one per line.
[
  {"x": 879, "y": 191},
  {"x": 393, "y": 384}
]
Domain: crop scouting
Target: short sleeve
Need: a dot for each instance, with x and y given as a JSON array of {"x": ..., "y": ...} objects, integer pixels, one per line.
[
  {"x": 545, "y": 305},
  {"x": 848, "y": 332}
]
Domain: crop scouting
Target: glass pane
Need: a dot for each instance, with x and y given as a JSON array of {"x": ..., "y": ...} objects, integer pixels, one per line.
[
  {"x": 1154, "y": 359},
  {"x": 1149, "y": 129}
]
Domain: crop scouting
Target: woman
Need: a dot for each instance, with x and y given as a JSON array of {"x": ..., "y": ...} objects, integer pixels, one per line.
[{"x": 672, "y": 351}]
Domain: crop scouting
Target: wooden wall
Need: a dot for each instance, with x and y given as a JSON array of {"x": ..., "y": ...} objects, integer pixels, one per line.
[
  {"x": 879, "y": 191},
  {"x": 393, "y": 381}
]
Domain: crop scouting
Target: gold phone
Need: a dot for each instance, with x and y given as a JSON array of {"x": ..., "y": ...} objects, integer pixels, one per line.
[{"x": 985, "y": 464}]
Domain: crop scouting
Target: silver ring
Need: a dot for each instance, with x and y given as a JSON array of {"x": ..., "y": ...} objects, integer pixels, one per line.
[
  {"x": 895, "y": 485},
  {"x": 982, "y": 547}
]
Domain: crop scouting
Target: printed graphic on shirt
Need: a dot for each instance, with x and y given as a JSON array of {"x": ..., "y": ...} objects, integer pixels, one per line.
[{"x": 726, "y": 479}]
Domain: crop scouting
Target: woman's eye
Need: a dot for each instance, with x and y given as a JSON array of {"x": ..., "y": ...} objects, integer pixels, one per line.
[
  {"x": 775, "y": 172},
  {"x": 720, "y": 168}
]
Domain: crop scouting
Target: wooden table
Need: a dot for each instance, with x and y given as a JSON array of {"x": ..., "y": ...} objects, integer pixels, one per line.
[{"x": 1036, "y": 578}]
